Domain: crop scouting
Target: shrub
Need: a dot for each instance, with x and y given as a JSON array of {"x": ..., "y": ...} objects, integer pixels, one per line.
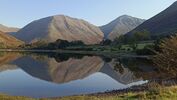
[{"x": 166, "y": 59}]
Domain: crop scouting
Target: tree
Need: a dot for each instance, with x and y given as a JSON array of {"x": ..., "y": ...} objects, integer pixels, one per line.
[
  {"x": 133, "y": 42},
  {"x": 58, "y": 44}
]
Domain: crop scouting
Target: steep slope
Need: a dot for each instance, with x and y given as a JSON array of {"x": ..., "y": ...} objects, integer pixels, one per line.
[
  {"x": 121, "y": 25},
  {"x": 8, "y": 29},
  {"x": 8, "y": 41},
  {"x": 164, "y": 23},
  {"x": 60, "y": 27}
]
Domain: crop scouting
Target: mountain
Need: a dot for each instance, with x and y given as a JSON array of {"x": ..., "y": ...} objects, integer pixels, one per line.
[
  {"x": 121, "y": 25},
  {"x": 8, "y": 41},
  {"x": 60, "y": 27},
  {"x": 8, "y": 29},
  {"x": 163, "y": 24}
]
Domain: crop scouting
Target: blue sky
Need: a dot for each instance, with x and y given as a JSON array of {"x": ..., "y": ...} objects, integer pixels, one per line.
[{"x": 18, "y": 13}]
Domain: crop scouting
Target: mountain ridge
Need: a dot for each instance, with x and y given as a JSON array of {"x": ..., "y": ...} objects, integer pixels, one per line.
[{"x": 5, "y": 29}]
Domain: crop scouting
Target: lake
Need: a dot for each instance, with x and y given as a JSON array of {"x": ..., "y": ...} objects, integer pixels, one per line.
[{"x": 56, "y": 75}]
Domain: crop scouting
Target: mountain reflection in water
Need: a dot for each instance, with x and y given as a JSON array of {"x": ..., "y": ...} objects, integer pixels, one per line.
[{"x": 64, "y": 70}]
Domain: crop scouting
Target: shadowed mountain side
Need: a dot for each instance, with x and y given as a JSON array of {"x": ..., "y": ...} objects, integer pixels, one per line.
[
  {"x": 34, "y": 30},
  {"x": 163, "y": 24}
]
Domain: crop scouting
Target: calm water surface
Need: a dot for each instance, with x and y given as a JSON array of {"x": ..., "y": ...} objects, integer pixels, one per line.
[{"x": 56, "y": 75}]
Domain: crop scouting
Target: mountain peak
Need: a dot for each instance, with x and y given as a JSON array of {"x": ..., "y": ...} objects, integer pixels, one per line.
[
  {"x": 60, "y": 16},
  {"x": 125, "y": 16},
  {"x": 121, "y": 25}
]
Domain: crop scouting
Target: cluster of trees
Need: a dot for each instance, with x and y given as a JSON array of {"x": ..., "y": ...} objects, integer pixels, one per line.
[
  {"x": 58, "y": 44},
  {"x": 131, "y": 40},
  {"x": 61, "y": 44}
]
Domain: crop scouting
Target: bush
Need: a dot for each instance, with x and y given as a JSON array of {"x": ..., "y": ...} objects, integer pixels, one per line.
[{"x": 166, "y": 59}]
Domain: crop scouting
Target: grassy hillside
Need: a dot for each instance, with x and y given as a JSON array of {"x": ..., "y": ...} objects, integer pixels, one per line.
[{"x": 7, "y": 41}]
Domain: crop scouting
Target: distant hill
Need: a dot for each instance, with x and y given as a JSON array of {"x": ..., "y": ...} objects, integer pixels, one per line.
[
  {"x": 60, "y": 27},
  {"x": 8, "y": 41},
  {"x": 8, "y": 29},
  {"x": 120, "y": 26},
  {"x": 163, "y": 24}
]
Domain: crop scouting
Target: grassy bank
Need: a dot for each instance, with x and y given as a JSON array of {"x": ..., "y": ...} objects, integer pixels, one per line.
[
  {"x": 166, "y": 93},
  {"x": 160, "y": 93}
]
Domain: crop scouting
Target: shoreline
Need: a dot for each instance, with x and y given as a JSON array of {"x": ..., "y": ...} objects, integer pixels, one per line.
[
  {"x": 98, "y": 53},
  {"x": 144, "y": 91}
]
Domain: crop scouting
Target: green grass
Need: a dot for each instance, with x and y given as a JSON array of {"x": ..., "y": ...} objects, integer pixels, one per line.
[
  {"x": 124, "y": 48},
  {"x": 158, "y": 93}
]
